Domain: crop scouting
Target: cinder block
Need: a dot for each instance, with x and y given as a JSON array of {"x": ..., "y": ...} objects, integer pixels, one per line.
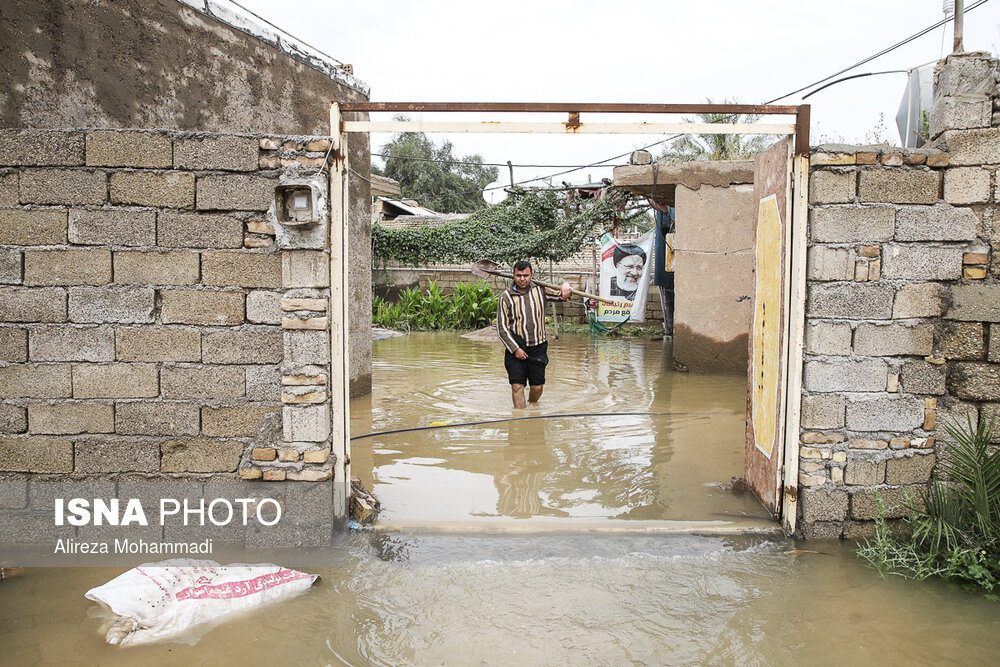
[
  {"x": 307, "y": 347},
  {"x": 35, "y": 227},
  {"x": 871, "y": 301},
  {"x": 115, "y": 381},
  {"x": 8, "y": 189},
  {"x": 67, "y": 267},
  {"x": 896, "y": 415},
  {"x": 845, "y": 375},
  {"x": 964, "y": 74},
  {"x": 975, "y": 381},
  {"x": 13, "y": 344},
  {"x": 13, "y": 418},
  {"x": 40, "y": 148},
  {"x": 10, "y": 266},
  {"x": 920, "y": 377},
  {"x": 115, "y": 227},
  {"x": 823, "y": 504},
  {"x": 851, "y": 224},
  {"x": 133, "y": 267},
  {"x": 960, "y": 113},
  {"x": 823, "y": 411},
  {"x": 899, "y": 186},
  {"x": 915, "y": 469},
  {"x": 921, "y": 262},
  {"x": 104, "y": 455},
  {"x": 305, "y": 268},
  {"x": 864, "y": 472},
  {"x": 974, "y": 303},
  {"x": 832, "y": 187},
  {"x": 67, "y": 343},
  {"x": 200, "y": 455},
  {"x": 235, "y": 192},
  {"x": 973, "y": 147},
  {"x": 264, "y": 307},
  {"x": 224, "y": 152},
  {"x": 198, "y": 230},
  {"x": 888, "y": 340},
  {"x": 32, "y": 304},
  {"x": 155, "y": 418},
  {"x": 994, "y": 352},
  {"x": 967, "y": 185},
  {"x": 917, "y": 300},
  {"x": 826, "y": 263},
  {"x": 158, "y": 344},
  {"x": 828, "y": 338},
  {"x": 181, "y": 306},
  {"x": 168, "y": 189},
  {"x": 234, "y": 268},
  {"x": 126, "y": 305},
  {"x": 128, "y": 148},
  {"x": 235, "y": 422},
  {"x": 70, "y": 418},
  {"x": 243, "y": 347},
  {"x": 962, "y": 341},
  {"x": 214, "y": 383},
  {"x": 63, "y": 186},
  {"x": 35, "y": 381},
  {"x": 941, "y": 222},
  {"x": 33, "y": 454},
  {"x": 865, "y": 507},
  {"x": 263, "y": 383},
  {"x": 306, "y": 423}
]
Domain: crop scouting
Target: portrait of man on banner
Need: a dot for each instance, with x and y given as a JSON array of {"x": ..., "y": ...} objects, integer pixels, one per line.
[{"x": 625, "y": 271}]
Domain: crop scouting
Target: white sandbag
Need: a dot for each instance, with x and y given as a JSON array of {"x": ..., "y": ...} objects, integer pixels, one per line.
[{"x": 159, "y": 601}]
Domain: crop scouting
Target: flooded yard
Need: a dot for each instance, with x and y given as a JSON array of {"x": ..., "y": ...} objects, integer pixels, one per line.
[{"x": 567, "y": 540}]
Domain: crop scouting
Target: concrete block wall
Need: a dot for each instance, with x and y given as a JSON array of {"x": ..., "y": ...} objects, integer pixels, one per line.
[
  {"x": 903, "y": 307},
  {"x": 152, "y": 318}
]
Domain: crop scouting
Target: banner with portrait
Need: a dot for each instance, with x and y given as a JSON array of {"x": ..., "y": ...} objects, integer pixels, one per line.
[{"x": 625, "y": 267}]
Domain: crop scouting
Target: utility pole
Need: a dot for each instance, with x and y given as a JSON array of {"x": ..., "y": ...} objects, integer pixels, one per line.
[{"x": 959, "y": 20}]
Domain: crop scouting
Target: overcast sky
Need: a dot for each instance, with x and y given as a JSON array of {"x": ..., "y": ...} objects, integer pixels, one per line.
[{"x": 628, "y": 51}]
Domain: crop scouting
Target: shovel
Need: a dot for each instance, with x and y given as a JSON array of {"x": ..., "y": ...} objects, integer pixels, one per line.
[{"x": 484, "y": 268}]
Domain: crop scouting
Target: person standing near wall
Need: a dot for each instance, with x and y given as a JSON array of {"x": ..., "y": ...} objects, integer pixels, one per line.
[{"x": 521, "y": 326}]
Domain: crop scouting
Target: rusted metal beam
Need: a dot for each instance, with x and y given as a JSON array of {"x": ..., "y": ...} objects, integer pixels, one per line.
[
  {"x": 513, "y": 127},
  {"x": 802, "y": 130},
  {"x": 563, "y": 107}
]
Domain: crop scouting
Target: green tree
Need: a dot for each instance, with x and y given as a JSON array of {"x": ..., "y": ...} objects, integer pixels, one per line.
[
  {"x": 433, "y": 175},
  {"x": 716, "y": 146}
]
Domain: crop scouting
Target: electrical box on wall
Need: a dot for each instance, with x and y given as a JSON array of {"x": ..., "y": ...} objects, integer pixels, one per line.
[
  {"x": 296, "y": 204},
  {"x": 300, "y": 211}
]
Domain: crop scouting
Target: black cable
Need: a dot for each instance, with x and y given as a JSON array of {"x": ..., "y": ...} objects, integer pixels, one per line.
[
  {"x": 848, "y": 78},
  {"x": 882, "y": 52},
  {"x": 514, "y": 419}
]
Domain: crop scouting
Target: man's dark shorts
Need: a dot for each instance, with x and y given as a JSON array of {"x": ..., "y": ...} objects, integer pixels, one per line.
[{"x": 530, "y": 371}]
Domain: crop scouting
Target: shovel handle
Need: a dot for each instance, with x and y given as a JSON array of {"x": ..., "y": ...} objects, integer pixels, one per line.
[{"x": 553, "y": 286}]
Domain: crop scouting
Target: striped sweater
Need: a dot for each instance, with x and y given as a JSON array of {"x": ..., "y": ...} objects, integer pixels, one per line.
[{"x": 521, "y": 314}]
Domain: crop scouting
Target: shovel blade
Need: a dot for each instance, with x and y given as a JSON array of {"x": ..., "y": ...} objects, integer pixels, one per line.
[{"x": 484, "y": 268}]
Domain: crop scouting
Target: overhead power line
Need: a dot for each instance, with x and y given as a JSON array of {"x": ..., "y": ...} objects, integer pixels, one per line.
[{"x": 882, "y": 52}]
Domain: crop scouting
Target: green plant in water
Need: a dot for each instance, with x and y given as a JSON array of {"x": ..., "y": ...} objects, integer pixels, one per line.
[
  {"x": 956, "y": 534},
  {"x": 472, "y": 306}
]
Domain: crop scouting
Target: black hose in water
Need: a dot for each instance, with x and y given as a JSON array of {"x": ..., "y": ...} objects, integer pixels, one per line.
[{"x": 514, "y": 419}]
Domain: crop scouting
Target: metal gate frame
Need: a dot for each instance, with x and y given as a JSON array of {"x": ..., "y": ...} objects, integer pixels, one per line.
[{"x": 341, "y": 129}]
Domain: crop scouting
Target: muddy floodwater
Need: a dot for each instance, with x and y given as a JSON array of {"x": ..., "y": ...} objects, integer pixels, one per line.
[{"x": 566, "y": 540}]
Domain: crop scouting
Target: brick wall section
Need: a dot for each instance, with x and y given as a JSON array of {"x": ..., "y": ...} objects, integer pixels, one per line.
[
  {"x": 903, "y": 287},
  {"x": 151, "y": 319}
]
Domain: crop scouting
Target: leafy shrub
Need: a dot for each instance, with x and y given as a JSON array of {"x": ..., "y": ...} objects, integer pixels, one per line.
[
  {"x": 957, "y": 534},
  {"x": 472, "y": 306}
]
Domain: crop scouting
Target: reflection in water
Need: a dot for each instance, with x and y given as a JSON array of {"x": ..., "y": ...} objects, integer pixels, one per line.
[
  {"x": 554, "y": 598},
  {"x": 658, "y": 464}
]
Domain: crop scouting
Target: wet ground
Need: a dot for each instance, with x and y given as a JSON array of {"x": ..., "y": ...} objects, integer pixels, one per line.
[{"x": 554, "y": 541}]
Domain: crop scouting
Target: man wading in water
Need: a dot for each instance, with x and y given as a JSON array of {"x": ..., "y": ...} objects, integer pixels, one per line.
[{"x": 521, "y": 325}]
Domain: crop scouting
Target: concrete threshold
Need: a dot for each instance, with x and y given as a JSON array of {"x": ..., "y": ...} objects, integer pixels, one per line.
[{"x": 580, "y": 526}]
